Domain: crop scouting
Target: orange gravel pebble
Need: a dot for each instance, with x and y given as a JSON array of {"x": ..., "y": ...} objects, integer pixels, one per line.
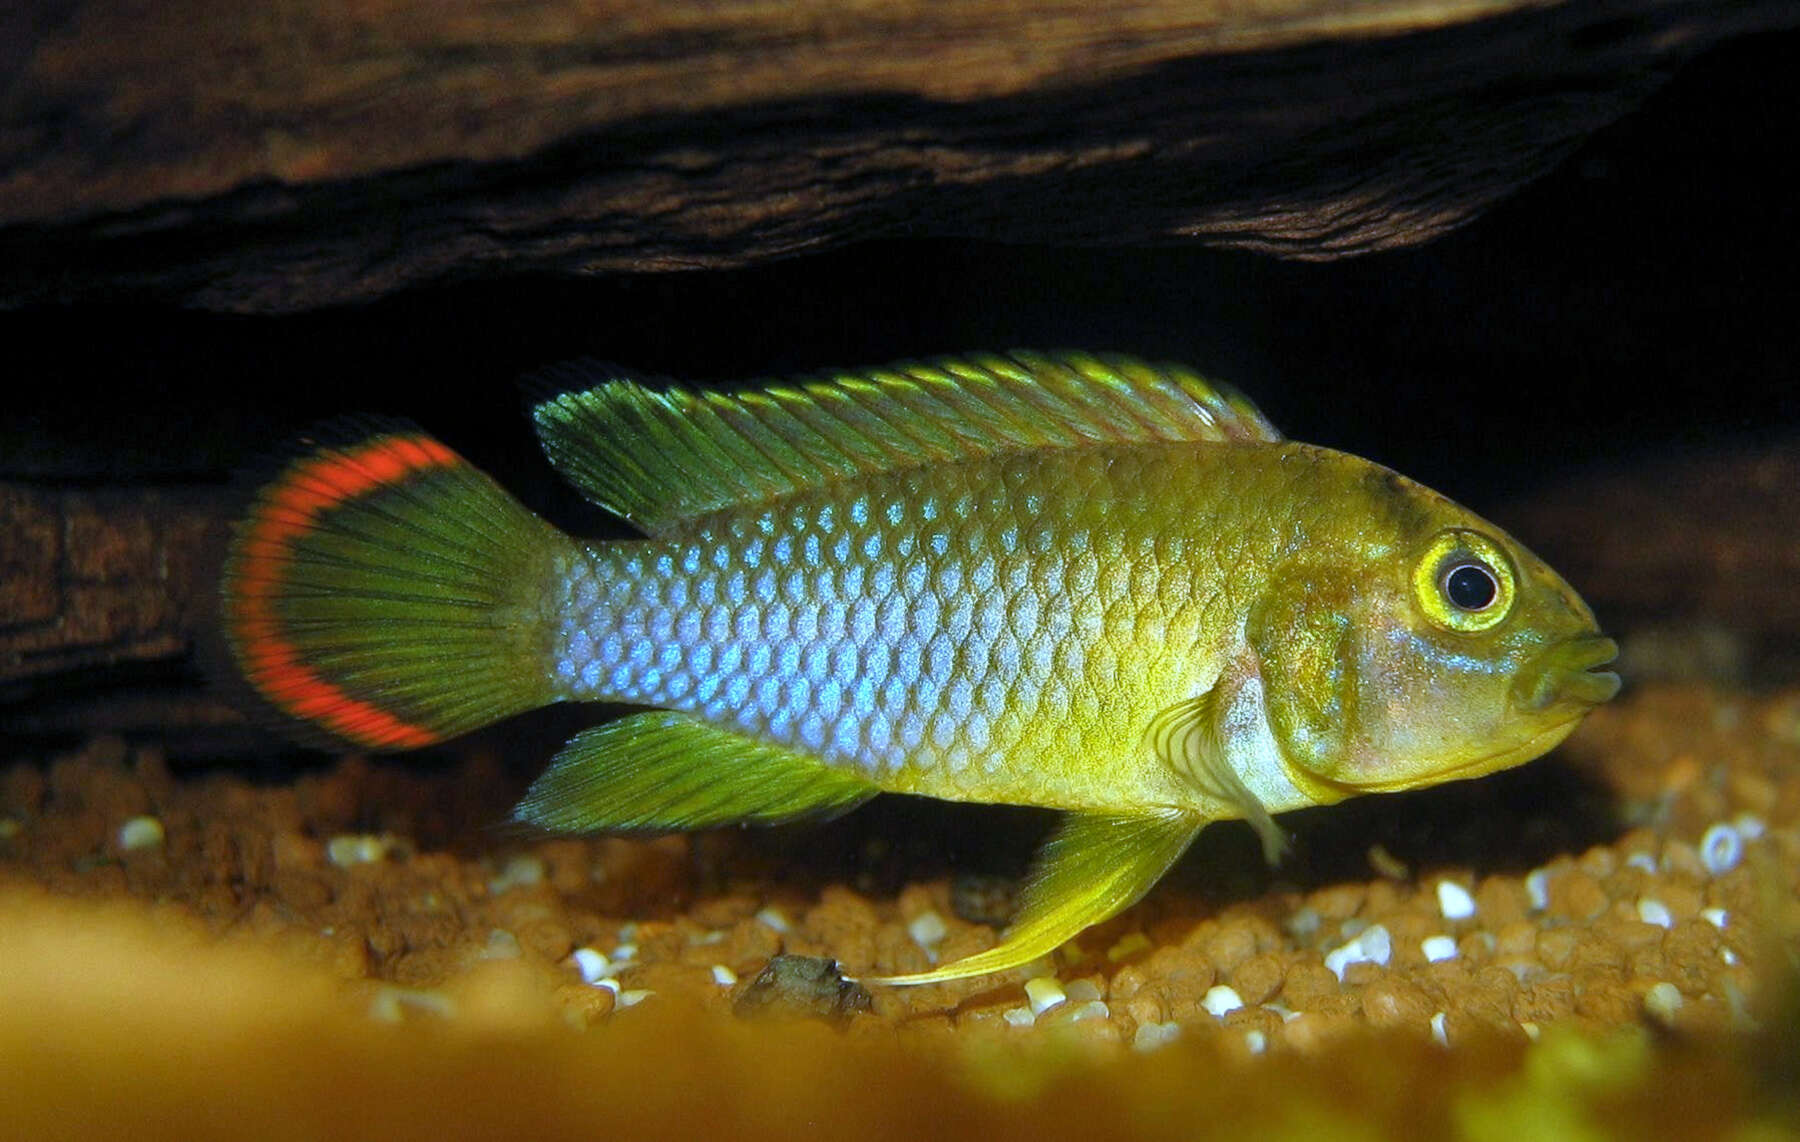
[{"x": 1258, "y": 978}]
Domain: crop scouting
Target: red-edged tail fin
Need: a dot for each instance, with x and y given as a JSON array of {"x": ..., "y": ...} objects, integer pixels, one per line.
[{"x": 386, "y": 595}]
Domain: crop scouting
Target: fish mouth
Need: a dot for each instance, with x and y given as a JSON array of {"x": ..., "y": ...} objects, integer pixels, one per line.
[
  {"x": 1569, "y": 672},
  {"x": 1555, "y": 689}
]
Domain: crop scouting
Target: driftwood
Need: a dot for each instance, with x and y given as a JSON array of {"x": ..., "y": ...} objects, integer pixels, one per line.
[
  {"x": 276, "y": 156},
  {"x": 95, "y": 582}
]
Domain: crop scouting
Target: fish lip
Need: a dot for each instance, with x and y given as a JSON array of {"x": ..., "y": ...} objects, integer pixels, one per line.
[
  {"x": 1588, "y": 651},
  {"x": 1585, "y": 681},
  {"x": 1569, "y": 671}
]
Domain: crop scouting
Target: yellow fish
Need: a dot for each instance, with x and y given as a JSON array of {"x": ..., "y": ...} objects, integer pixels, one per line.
[{"x": 1080, "y": 582}]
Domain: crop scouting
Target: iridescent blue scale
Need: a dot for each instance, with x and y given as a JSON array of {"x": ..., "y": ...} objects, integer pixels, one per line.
[{"x": 925, "y": 622}]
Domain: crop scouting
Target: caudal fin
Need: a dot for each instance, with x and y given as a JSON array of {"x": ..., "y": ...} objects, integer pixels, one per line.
[{"x": 385, "y": 594}]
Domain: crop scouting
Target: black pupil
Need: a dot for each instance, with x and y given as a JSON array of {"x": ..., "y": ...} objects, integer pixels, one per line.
[{"x": 1471, "y": 586}]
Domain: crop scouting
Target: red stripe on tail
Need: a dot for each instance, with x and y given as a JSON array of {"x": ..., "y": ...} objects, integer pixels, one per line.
[{"x": 289, "y": 509}]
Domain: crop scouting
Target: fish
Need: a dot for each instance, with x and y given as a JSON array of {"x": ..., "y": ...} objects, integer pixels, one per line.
[{"x": 1078, "y": 581}]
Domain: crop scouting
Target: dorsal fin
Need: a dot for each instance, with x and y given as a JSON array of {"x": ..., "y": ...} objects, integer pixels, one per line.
[{"x": 657, "y": 453}]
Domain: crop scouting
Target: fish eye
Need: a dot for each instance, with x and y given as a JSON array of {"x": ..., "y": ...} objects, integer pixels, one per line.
[
  {"x": 1471, "y": 587},
  {"x": 1464, "y": 582}
]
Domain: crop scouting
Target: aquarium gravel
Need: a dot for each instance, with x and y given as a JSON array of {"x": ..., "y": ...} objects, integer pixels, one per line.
[{"x": 387, "y": 876}]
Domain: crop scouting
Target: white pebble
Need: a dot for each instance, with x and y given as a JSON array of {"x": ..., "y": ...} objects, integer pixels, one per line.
[
  {"x": 1437, "y": 949},
  {"x": 1454, "y": 900},
  {"x": 141, "y": 833},
  {"x": 1537, "y": 888},
  {"x": 1043, "y": 993},
  {"x": 634, "y": 997},
  {"x": 1642, "y": 860},
  {"x": 624, "y": 953},
  {"x": 1256, "y": 1041},
  {"x": 592, "y": 965},
  {"x": 1019, "y": 1016},
  {"x": 1532, "y": 1030},
  {"x": 1721, "y": 849},
  {"x": 1221, "y": 1000},
  {"x": 1372, "y": 945},
  {"x": 1082, "y": 990},
  {"x": 1749, "y": 826},
  {"x": 1377, "y": 945},
  {"x": 501, "y": 945},
  {"x": 1653, "y": 911},
  {"x": 1341, "y": 957},
  {"x": 1717, "y": 917},
  {"x": 1662, "y": 1001},
  {"x": 347, "y": 849},
  {"x": 1437, "y": 1030},
  {"x": 1092, "y": 1009},
  {"x": 1150, "y": 1036},
  {"x": 1304, "y": 923},
  {"x": 391, "y": 1004},
  {"x": 723, "y": 976},
  {"x": 1730, "y": 957},
  {"x": 610, "y": 983},
  {"x": 772, "y": 918},
  {"x": 928, "y": 931},
  {"x": 522, "y": 871}
]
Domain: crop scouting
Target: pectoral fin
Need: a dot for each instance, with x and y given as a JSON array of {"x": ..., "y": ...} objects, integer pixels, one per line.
[
  {"x": 1093, "y": 867},
  {"x": 663, "y": 771},
  {"x": 1191, "y": 738}
]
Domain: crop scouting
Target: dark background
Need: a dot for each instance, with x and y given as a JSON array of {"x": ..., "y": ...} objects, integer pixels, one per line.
[{"x": 1640, "y": 299}]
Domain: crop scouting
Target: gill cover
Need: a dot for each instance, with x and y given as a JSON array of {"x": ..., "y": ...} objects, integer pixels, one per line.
[{"x": 1302, "y": 632}]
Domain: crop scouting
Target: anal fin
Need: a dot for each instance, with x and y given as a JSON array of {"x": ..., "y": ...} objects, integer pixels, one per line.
[
  {"x": 663, "y": 771},
  {"x": 1093, "y": 867}
]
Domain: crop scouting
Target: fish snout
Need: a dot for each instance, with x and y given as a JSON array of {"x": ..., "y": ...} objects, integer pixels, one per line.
[{"x": 1568, "y": 672}]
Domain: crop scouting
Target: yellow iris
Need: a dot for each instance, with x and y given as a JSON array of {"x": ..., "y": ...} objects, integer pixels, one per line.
[{"x": 1464, "y": 581}]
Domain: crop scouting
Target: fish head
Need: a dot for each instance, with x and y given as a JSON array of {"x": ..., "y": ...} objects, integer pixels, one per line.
[{"x": 1445, "y": 651}]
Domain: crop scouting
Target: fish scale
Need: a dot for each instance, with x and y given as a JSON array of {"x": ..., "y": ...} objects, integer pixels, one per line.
[{"x": 913, "y": 630}]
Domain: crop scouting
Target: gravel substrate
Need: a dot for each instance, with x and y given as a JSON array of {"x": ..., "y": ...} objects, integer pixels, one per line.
[
  {"x": 387, "y": 873},
  {"x": 1641, "y": 883}
]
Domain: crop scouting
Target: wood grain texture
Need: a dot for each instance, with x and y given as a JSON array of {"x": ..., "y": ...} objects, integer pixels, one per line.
[
  {"x": 94, "y": 578},
  {"x": 280, "y": 156}
]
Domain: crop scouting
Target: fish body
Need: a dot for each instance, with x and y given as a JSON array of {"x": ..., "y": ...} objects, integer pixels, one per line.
[
  {"x": 1082, "y": 583},
  {"x": 975, "y": 631}
]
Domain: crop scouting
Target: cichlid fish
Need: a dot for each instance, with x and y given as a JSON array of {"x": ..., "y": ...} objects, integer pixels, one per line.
[{"x": 1080, "y": 582}]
